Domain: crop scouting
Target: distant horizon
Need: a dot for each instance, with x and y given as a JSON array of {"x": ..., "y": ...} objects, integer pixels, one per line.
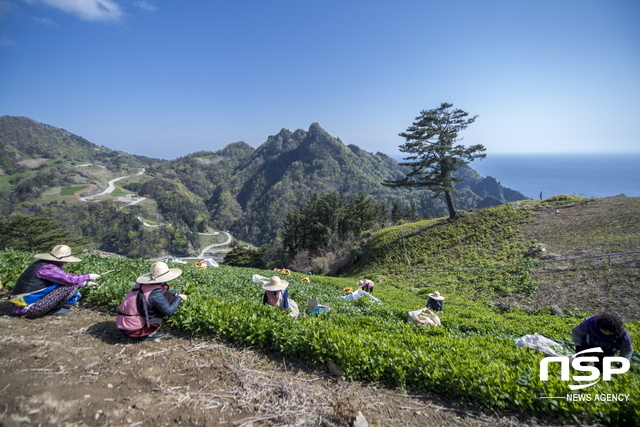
[
  {"x": 582, "y": 174},
  {"x": 395, "y": 154},
  {"x": 551, "y": 153}
]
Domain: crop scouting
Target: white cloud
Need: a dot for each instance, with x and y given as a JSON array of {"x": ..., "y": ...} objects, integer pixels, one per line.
[
  {"x": 7, "y": 8},
  {"x": 7, "y": 42},
  {"x": 142, "y": 4},
  {"x": 47, "y": 21},
  {"x": 89, "y": 10}
]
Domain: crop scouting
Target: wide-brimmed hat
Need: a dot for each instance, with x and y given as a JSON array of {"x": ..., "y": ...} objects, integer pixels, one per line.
[
  {"x": 436, "y": 295},
  {"x": 159, "y": 273},
  {"x": 60, "y": 253},
  {"x": 275, "y": 284}
]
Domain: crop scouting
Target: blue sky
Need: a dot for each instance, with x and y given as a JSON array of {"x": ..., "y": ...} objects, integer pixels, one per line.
[{"x": 166, "y": 78}]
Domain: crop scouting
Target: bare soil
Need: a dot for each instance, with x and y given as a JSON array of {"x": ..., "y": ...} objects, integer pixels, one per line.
[
  {"x": 583, "y": 232},
  {"x": 79, "y": 370}
]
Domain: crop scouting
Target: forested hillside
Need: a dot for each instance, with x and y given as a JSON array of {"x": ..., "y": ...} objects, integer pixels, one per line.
[{"x": 45, "y": 171}]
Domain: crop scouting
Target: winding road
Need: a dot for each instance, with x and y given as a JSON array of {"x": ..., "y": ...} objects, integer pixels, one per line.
[
  {"x": 112, "y": 187},
  {"x": 215, "y": 244}
]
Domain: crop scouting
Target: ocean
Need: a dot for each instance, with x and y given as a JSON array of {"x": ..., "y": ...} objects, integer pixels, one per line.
[{"x": 585, "y": 175}]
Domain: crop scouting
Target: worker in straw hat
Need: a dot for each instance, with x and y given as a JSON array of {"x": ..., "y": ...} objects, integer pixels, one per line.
[
  {"x": 143, "y": 309},
  {"x": 435, "y": 301},
  {"x": 276, "y": 294},
  {"x": 45, "y": 288},
  {"x": 366, "y": 285}
]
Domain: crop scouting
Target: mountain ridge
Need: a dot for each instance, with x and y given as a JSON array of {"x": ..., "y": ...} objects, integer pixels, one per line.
[
  {"x": 237, "y": 188},
  {"x": 22, "y": 137}
]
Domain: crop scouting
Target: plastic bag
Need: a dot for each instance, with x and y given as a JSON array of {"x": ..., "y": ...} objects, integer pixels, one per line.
[
  {"x": 359, "y": 293},
  {"x": 539, "y": 343},
  {"x": 424, "y": 317},
  {"x": 256, "y": 278},
  {"x": 314, "y": 308},
  {"x": 210, "y": 262}
]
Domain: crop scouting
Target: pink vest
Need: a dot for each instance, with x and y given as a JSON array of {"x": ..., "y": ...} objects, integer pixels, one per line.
[{"x": 129, "y": 318}]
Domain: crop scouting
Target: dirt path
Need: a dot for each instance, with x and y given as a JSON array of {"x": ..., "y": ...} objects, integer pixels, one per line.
[{"x": 78, "y": 370}]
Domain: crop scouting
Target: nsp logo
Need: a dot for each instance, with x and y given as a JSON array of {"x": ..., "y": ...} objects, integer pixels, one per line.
[{"x": 577, "y": 363}]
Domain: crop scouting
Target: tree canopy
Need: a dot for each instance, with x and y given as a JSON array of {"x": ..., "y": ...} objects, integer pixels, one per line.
[
  {"x": 328, "y": 221},
  {"x": 32, "y": 234},
  {"x": 434, "y": 153}
]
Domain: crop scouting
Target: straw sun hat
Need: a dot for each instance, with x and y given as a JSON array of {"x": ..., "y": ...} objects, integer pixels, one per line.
[
  {"x": 159, "y": 273},
  {"x": 275, "y": 284},
  {"x": 436, "y": 296},
  {"x": 60, "y": 253}
]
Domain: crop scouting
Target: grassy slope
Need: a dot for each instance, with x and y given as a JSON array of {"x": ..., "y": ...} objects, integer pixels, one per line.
[
  {"x": 567, "y": 226},
  {"x": 415, "y": 255}
]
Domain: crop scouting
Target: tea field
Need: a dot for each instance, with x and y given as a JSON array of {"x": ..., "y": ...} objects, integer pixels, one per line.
[{"x": 471, "y": 358}]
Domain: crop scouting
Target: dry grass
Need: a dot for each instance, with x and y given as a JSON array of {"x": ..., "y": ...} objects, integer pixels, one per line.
[{"x": 595, "y": 227}]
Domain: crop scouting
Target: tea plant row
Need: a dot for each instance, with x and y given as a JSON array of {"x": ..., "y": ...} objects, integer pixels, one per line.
[{"x": 472, "y": 357}]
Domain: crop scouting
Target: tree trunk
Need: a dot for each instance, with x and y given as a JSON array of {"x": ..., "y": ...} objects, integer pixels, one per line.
[{"x": 450, "y": 205}]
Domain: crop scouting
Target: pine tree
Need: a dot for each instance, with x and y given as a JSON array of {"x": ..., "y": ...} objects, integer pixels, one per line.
[
  {"x": 435, "y": 156},
  {"x": 32, "y": 233}
]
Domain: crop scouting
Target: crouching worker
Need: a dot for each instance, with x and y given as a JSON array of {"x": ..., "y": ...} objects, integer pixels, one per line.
[
  {"x": 148, "y": 302},
  {"x": 276, "y": 294},
  {"x": 435, "y": 301},
  {"x": 603, "y": 330},
  {"x": 45, "y": 288},
  {"x": 366, "y": 285}
]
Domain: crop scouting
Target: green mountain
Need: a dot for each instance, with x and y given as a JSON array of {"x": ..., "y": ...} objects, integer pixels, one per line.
[
  {"x": 249, "y": 192},
  {"x": 24, "y": 139},
  {"x": 36, "y": 159},
  {"x": 46, "y": 170}
]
